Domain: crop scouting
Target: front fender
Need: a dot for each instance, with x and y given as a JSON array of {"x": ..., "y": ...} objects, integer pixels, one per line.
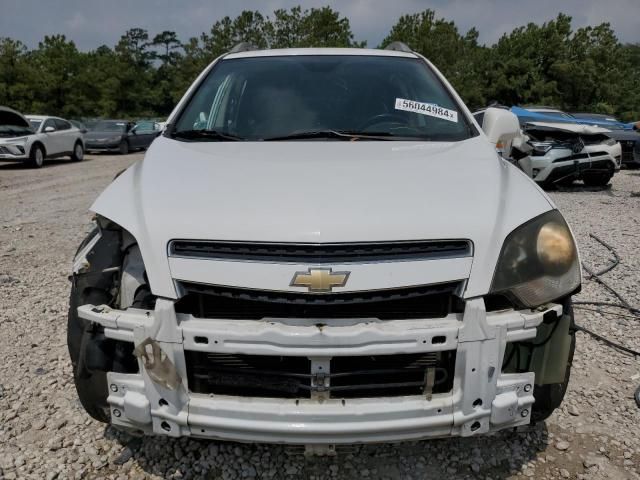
[{"x": 121, "y": 202}]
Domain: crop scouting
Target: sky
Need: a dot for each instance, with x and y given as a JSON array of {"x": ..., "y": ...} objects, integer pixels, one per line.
[{"x": 91, "y": 23}]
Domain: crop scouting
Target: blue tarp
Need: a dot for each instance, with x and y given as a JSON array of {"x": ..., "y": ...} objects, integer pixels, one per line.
[{"x": 525, "y": 116}]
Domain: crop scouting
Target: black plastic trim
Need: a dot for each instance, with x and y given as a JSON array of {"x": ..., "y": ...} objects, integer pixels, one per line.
[{"x": 321, "y": 253}]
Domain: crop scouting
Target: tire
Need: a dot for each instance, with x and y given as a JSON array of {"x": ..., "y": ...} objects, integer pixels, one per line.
[
  {"x": 124, "y": 147},
  {"x": 597, "y": 179},
  {"x": 549, "y": 397},
  {"x": 91, "y": 385},
  {"x": 566, "y": 182},
  {"x": 36, "y": 156},
  {"x": 78, "y": 152}
]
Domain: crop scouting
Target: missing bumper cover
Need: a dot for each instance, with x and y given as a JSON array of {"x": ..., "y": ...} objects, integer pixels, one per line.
[
  {"x": 157, "y": 364},
  {"x": 349, "y": 377}
]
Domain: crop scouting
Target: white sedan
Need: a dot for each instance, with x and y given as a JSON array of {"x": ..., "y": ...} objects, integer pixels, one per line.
[{"x": 33, "y": 139}]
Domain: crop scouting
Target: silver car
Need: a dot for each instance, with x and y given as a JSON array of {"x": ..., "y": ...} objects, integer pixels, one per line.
[{"x": 34, "y": 139}]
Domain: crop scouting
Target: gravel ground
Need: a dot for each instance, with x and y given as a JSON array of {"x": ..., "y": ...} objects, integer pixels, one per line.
[{"x": 44, "y": 433}]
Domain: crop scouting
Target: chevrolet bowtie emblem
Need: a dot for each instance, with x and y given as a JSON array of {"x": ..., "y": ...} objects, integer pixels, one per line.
[{"x": 320, "y": 279}]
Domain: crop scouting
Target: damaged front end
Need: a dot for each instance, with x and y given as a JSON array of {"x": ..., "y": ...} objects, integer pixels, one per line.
[
  {"x": 107, "y": 271},
  {"x": 255, "y": 366},
  {"x": 563, "y": 153}
]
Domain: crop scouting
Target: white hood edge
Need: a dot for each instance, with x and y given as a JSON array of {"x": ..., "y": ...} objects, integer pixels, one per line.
[{"x": 321, "y": 192}]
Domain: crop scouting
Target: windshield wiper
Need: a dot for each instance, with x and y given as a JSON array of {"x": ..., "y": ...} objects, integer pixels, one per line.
[
  {"x": 345, "y": 135},
  {"x": 206, "y": 135}
]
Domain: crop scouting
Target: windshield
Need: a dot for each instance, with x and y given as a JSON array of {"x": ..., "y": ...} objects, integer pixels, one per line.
[
  {"x": 265, "y": 98},
  {"x": 110, "y": 127}
]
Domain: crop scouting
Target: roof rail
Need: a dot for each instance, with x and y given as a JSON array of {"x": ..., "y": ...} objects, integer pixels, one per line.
[
  {"x": 398, "y": 47},
  {"x": 243, "y": 47}
]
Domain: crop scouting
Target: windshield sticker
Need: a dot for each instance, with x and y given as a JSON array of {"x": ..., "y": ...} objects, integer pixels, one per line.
[{"x": 430, "y": 109}]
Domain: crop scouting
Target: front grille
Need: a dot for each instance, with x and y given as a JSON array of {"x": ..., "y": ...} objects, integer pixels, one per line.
[
  {"x": 628, "y": 156},
  {"x": 290, "y": 377},
  {"x": 312, "y": 253},
  {"x": 627, "y": 150},
  {"x": 4, "y": 150},
  {"x": 248, "y": 375},
  {"x": 627, "y": 145},
  {"x": 430, "y": 301},
  {"x": 580, "y": 156}
]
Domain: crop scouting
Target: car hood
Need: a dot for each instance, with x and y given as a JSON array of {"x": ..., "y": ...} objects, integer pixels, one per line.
[
  {"x": 566, "y": 127},
  {"x": 621, "y": 135},
  {"x": 10, "y": 117},
  {"x": 320, "y": 191}
]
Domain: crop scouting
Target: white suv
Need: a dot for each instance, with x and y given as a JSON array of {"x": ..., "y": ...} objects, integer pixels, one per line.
[
  {"x": 36, "y": 138},
  {"x": 323, "y": 247},
  {"x": 564, "y": 152}
]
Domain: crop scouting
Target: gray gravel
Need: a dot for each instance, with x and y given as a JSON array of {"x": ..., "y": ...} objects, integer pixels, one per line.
[{"x": 44, "y": 433}]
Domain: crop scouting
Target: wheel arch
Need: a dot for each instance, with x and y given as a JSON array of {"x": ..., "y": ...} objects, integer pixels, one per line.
[{"x": 39, "y": 143}]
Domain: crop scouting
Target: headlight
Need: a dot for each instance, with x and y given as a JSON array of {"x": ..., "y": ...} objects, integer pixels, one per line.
[
  {"x": 114, "y": 139},
  {"x": 540, "y": 148},
  {"x": 538, "y": 262},
  {"x": 18, "y": 141},
  {"x": 610, "y": 141}
]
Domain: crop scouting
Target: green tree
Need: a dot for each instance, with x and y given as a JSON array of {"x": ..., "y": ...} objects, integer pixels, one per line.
[
  {"x": 318, "y": 27},
  {"x": 96, "y": 85},
  {"x": 169, "y": 44},
  {"x": 524, "y": 63},
  {"x": 134, "y": 92},
  {"x": 58, "y": 64},
  {"x": 166, "y": 78},
  {"x": 250, "y": 27},
  {"x": 584, "y": 69},
  {"x": 134, "y": 45},
  {"x": 16, "y": 75},
  {"x": 457, "y": 56}
]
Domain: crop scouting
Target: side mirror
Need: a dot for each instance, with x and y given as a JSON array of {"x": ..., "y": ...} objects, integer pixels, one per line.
[
  {"x": 501, "y": 127},
  {"x": 49, "y": 129}
]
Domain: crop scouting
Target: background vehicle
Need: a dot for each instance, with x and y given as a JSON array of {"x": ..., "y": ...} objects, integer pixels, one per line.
[
  {"x": 564, "y": 152},
  {"x": 554, "y": 150},
  {"x": 79, "y": 125},
  {"x": 252, "y": 274},
  {"x": 624, "y": 133},
  {"x": 33, "y": 139},
  {"x": 551, "y": 111},
  {"x": 121, "y": 135}
]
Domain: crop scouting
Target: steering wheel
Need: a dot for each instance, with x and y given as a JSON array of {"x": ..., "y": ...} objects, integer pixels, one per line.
[{"x": 382, "y": 118}]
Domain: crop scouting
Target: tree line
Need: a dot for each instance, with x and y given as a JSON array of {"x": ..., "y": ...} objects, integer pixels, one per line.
[{"x": 143, "y": 75}]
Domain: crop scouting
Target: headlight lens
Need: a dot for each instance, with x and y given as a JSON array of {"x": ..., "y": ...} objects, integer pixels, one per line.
[
  {"x": 540, "y": 148},
  {"x": 18, "y": 141},
  {"x": 114, "y": 139},
  {"x": 610, "y": 141},
  {"x": 538, "y": 262}
]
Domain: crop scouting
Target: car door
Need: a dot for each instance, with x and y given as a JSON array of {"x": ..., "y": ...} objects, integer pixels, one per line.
[
  {"x": 146, "y": 133},
  {"x": 133, "y": 137},
  {"x": 67, "y": 133},
  {"x": 53, "y": 142}
]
